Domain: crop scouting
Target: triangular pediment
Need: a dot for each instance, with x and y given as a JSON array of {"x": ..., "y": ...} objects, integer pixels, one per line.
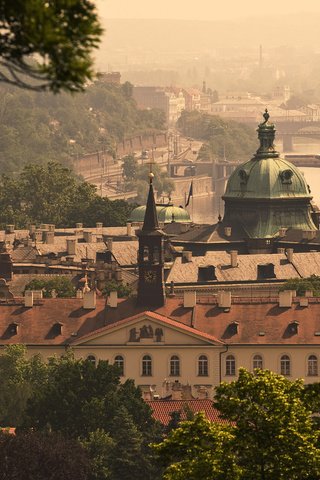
[{"x": 147, "y": 329}]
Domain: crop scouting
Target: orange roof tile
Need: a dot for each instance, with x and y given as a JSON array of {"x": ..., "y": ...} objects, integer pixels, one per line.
[{"x": 162, "y": 409}]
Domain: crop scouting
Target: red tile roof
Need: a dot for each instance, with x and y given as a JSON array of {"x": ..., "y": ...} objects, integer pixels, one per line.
[
  {"x": 161, "y": 409},
  {"x": 260, "y": 321}
]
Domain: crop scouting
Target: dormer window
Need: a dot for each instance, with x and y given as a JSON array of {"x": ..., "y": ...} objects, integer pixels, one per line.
[
  {"x": 286, "y": 176},
  {"x": 244, "y": 177},
  {"x": 294, "y": 327},
  {"x": 13, "y": 328},
  {"x": 58, "y": 328}
]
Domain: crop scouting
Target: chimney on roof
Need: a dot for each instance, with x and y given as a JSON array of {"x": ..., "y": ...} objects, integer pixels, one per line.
[
  {"x": 89, "y": 300},
  {"x": 186, "y": 256},
  {"x": 38, "y": 235},
  {"x": 281, "y": 250},
  {"x": 282, "y": 232},
  {"x": 109, "y": 243},
  {"x": 52, "y": 227},
  {"x": 129, "y": 229},
  {"x": 28, "y": 298},
  {"x": 79, "y": 293},
  {"x": 234, "y": 258},
  {"x": 189, "y": 298},
  {"x": 113, "y": 299},
  {"x": 87, "y": 236},
  {"x": 71, "y": 246},
  {"x": 289, "y": 252},
  {"x": 48, "y": 237},
  {"x": 118, "y": 274},
  {"x": 202, "y": 392},
  {"x": 79, "y": 226},
  {"x": 9, "y": 228},
  {"x": 32, "y": 229},
  {"x": 224, "y": 299},
  {"x": 99, "y": 225},
  {"x": 285, "y": 298}
]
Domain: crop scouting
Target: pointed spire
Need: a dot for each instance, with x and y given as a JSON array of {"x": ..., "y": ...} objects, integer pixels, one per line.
[
  {"x": 150, "y": 218},
  {"x": 266, "y": 134}
]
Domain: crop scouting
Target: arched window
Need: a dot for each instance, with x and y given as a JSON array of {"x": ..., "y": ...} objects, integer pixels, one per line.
[
  {"x": 312, "y": 366},
  {"x": 174, "y": 366},
  {"x": 285, "y": 365},
  {"x": 119, "y": 362},
  {"x": 230, "y": 365},
  {"x": 145, "y": 254},
  {"x": 203, "y": 366},
  {"x": 91, "y": 359},
  {"x": 147, "y": 366},
  {"x": 257, "y": 362}
]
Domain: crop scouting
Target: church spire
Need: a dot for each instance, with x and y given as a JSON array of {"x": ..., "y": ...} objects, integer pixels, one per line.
[
  {"x": 150, "y": 218},
  {"x": 266, "y": 134}
]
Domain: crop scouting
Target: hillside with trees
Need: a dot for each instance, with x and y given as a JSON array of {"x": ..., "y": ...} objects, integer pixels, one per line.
[
  {"x": 223, "y": 139},
  {"x": 41, "y": 127}
]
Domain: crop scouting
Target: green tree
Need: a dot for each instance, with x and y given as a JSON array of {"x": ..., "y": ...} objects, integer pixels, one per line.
[
  {"x": 61, "y": 285},
  {"x": 199, "y": 450},
  {"x": 40, "y": 456},
  {"x": 99, "y": 446},
  {"x": 18, "y": 379},
  {"x": 301, "y": 285},
  {"x": 129, "y": 167},
  {"x": 122, "y": 289},
  {"x": 60, "y": 35},
  {"x": 52, "y": 194},
  {"x": 274, "y": 438}
]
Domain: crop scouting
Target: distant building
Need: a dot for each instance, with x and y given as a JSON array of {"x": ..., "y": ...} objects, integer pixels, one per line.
[
  {"x": 192, "y": 98},
  {"x": 157, "y": 97},
  {"x": 110, "y": 77}
]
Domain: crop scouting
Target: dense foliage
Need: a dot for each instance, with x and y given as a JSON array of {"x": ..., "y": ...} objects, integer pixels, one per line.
[
  {"x": 52, "y": 194},
  {"x": 80, "y": 401},
  {"x": 42, "y": 456},
  {"x": 48, "y": 45},
  {"x": 61, "y": 285},
  {"x": 42, "y": 127},
  {"x": 301, "y": 285},
  {"x": 223, "y": 140},
  {"x": 270, "y": 434}
]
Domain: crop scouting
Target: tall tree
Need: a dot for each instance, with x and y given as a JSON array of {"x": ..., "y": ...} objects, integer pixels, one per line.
[
  {"x": 40, "y": 456},
  {"x": 199, "y": 450},
  {"x": 48, "y": 45},
  {"x": 274, "y": 438}
]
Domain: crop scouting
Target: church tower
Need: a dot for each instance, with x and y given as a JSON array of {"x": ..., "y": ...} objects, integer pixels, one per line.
[{"x": 151, "y": 290}]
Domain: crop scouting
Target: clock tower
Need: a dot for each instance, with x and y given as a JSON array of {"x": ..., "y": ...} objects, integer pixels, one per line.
[{"x": 151, "y": 290}]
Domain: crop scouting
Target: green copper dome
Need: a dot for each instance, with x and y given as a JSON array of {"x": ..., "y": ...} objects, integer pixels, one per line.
[
  {"x": 266, "y": 175},
  {"x": 267, "y": 192},
  {"x": 266, "y": 178},
  {"x": 166, "y": 214}
]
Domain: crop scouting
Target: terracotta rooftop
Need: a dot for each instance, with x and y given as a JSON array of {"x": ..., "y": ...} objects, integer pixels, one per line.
[
  {"x": 259, "y": 320},
  {"x": 162, "y": 409}
]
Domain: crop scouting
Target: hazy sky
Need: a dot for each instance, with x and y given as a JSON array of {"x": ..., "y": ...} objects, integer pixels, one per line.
[{"x": 202, "y": 9}]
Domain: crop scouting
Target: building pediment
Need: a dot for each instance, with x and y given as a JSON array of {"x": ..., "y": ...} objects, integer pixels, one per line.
[{"x": 147, "y": 328}]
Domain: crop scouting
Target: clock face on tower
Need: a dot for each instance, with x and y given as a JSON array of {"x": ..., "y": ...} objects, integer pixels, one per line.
[{"x": 150, "y": 276}]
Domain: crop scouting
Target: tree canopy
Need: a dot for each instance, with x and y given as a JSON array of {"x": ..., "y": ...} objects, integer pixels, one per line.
[
  {"x": 274, "y": 436},
  {"x": 38, "y": 128},
  {"x": 83, "y": 401},
  {"x": 48, "y": 45},
  {"x": 223, "y": 140},
  {"x": 61, "y": 285},
  {"x": 301, "y": 285},
  {"x": 52, "y": 194}
]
